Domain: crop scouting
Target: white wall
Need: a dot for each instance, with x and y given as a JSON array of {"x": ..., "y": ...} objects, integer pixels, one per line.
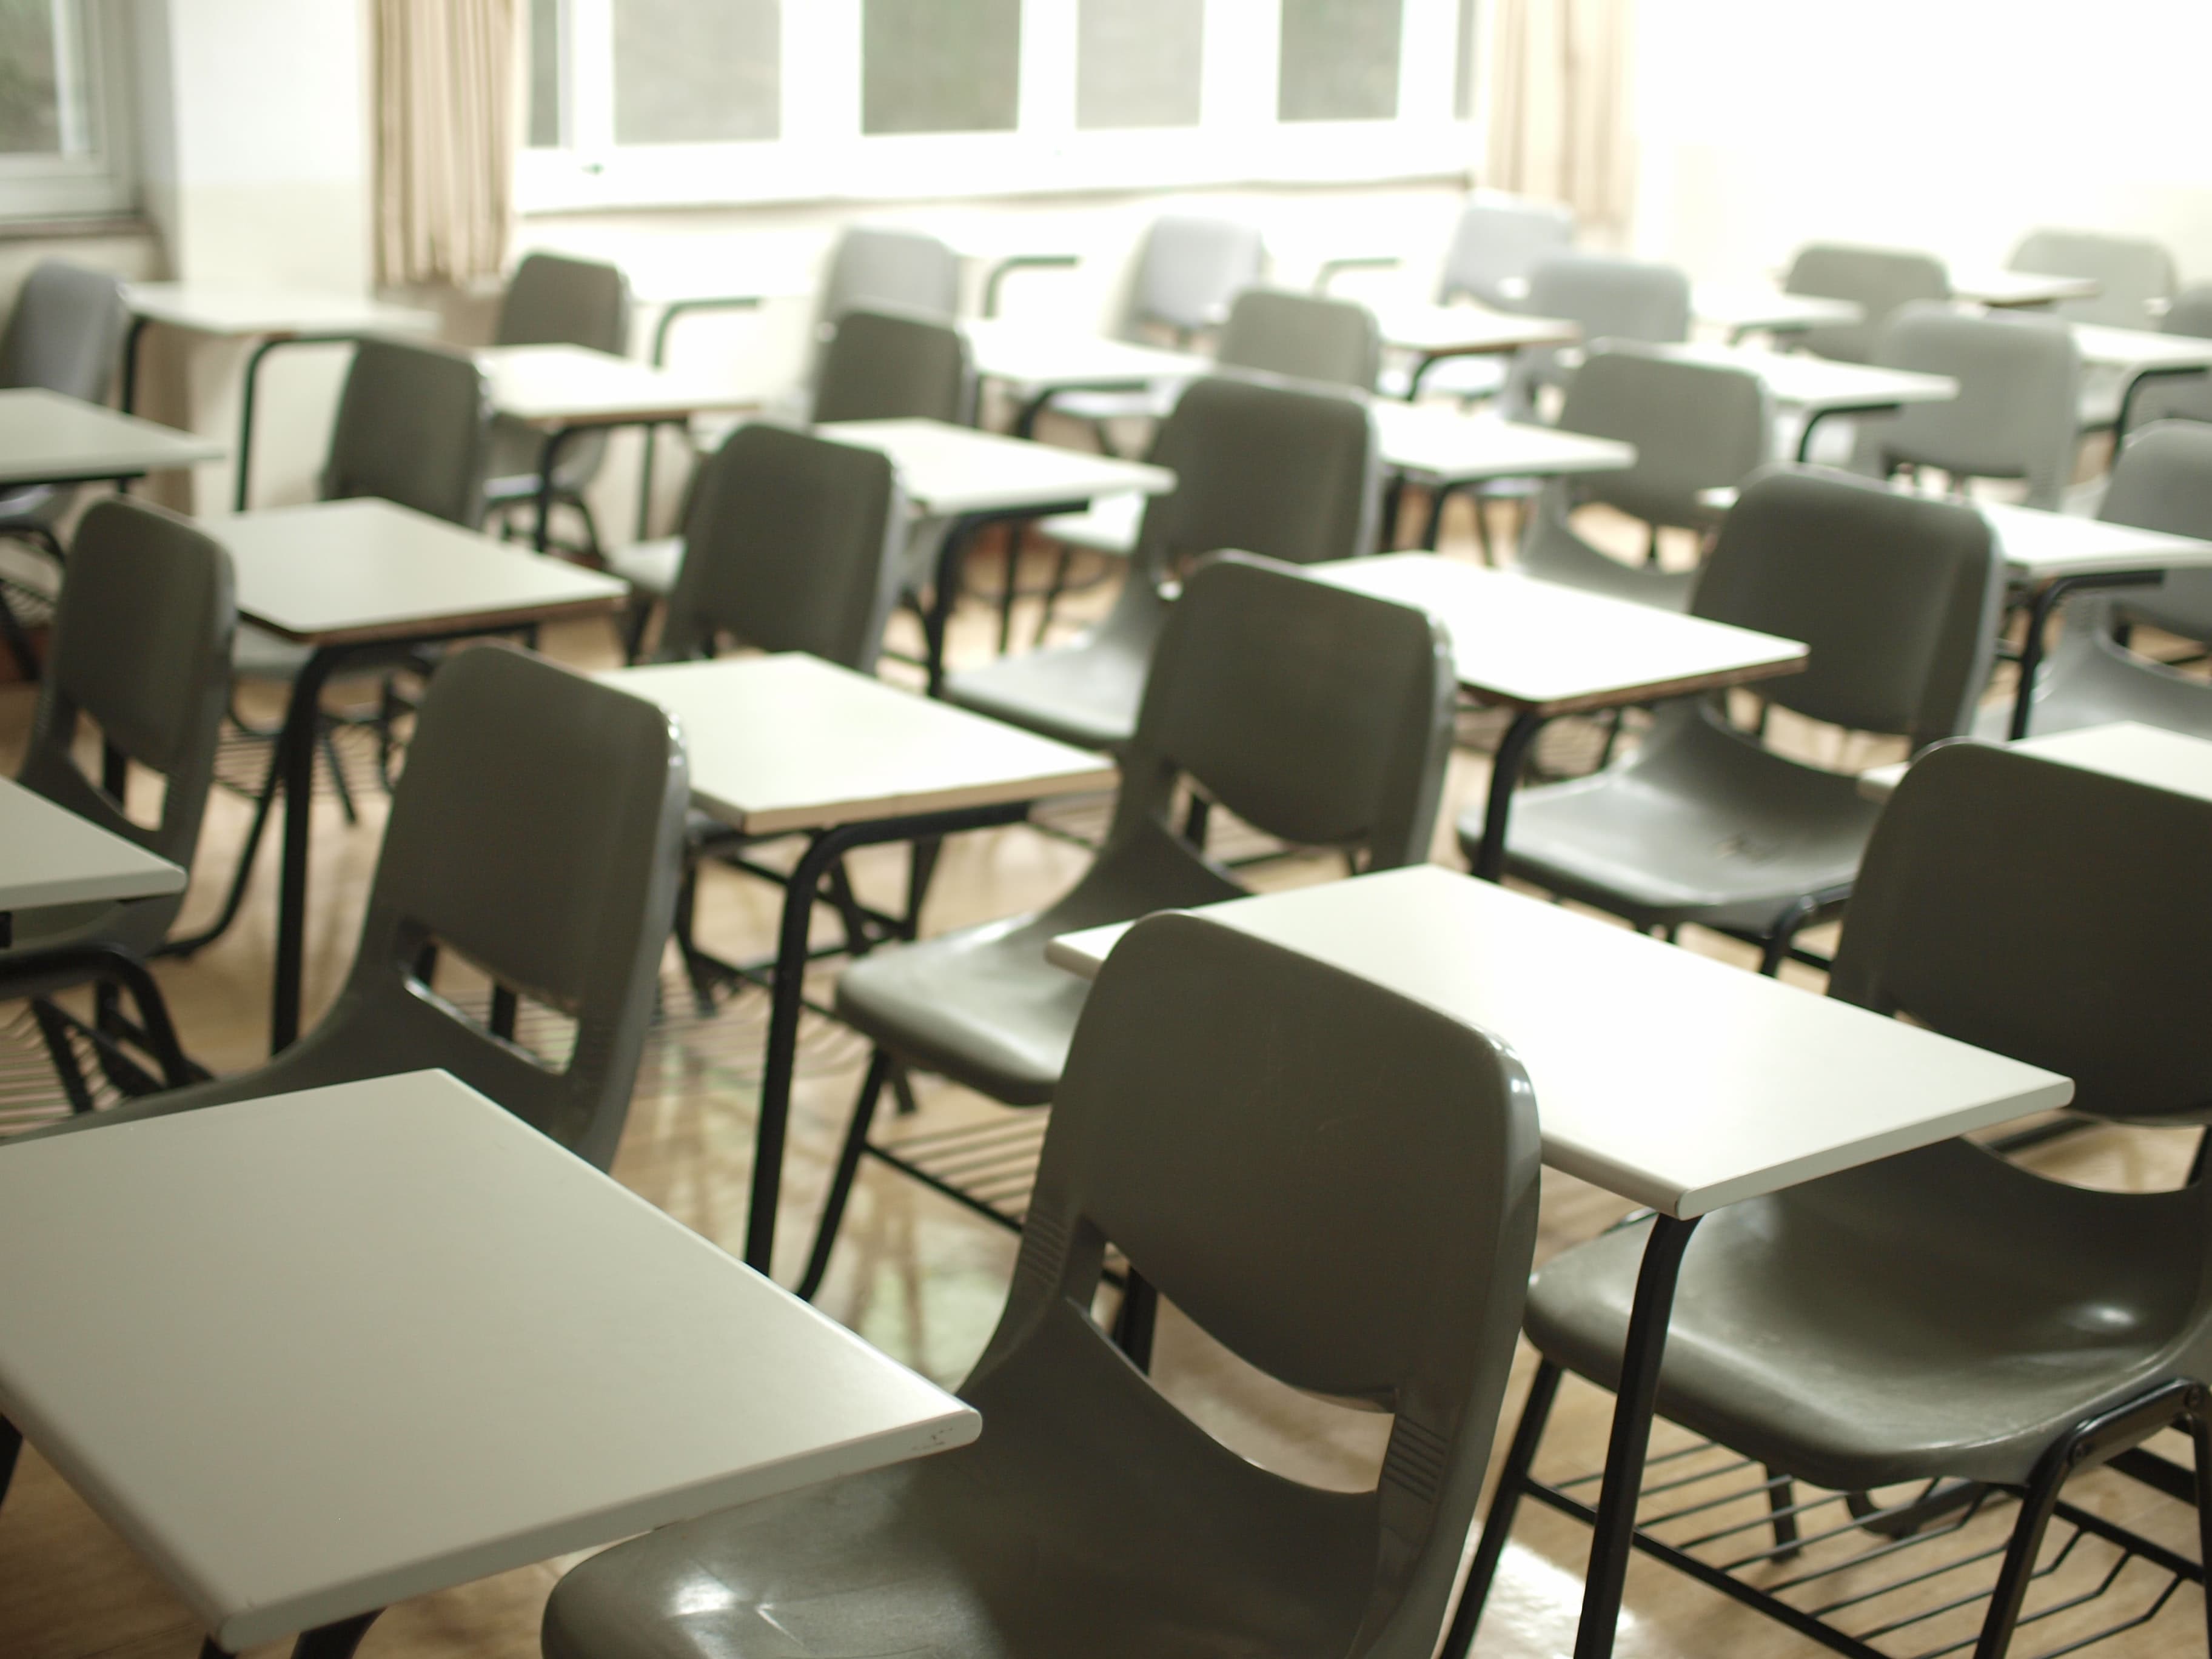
[{"x": 1952, "y": 125}]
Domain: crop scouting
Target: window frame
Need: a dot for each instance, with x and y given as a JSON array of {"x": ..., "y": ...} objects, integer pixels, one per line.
[
  {"x": 101, "y": 179},
  {"x": 822, "y": 156}
]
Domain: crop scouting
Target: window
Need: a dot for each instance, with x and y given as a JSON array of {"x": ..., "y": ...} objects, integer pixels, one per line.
[
  {"x": 61, "y": 142},
  {"x": 670, "y": 102}
]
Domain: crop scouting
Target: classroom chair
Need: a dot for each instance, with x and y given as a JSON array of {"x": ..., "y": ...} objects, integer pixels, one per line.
[
  {"x": 1946, "y": 1317},
  {"x": 2133, "y": 274},
  {"x": 2185, "y": 397},
  {"x": 2162, "y": 480},
  {"x": 1496, "y": 243},
  {"x": 65, "y": 335},
  {"x": 1287, "y": 473},
  {"x": 1201, "y": 1130},
  {"x": 1878, "y": 280},
  {"x": 1316, "y": 715},
  {"x": 2015, "y": 416},
  {"x": 537, "y": 834},
  {"x": 1897, "y": 597},
  {"x": 142, "y": 643},
  {"x": 1611, "y": 298},
  {"x": 413, "y": 428},
  {"x": 554, "y": 301},
  {"x": 1695, "y": 426},
  {"x": 882, "y": 267}
]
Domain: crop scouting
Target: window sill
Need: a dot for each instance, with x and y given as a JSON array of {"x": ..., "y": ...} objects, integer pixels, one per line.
[{"x": 64, "y": 227}]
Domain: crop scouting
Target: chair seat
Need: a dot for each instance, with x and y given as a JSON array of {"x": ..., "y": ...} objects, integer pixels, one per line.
[
  {"x": 1700, "y": 824},
  {"x": 1109, "y": 527},
  {"x": 1085, "y": 693},
  {"x": 648, "y": 566},
  {"x": 981, "y": 1006},
  {"x": 1065, "y": 1531},
  {"x": 1940, "y": 1313}
]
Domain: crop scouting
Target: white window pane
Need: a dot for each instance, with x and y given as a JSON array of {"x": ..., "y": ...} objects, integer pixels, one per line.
[
  {"x": 1137, "y": 62},
  {"x": 697, "y": 71},
  {"x": 1339, "y": 60},
  {"x": 30, "y": 79},
  {"x": 940, "y": 65},
  {"x": 546, "y": 74}
]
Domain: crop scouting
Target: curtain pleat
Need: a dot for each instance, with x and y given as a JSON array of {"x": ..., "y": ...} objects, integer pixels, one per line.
[
  {"x": 1559, "y": 107},
  {"x": 449, "y": 125}
]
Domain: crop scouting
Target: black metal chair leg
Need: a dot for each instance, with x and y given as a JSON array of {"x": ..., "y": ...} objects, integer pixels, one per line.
[
  {"x": 1058, "y": 585},
  {"x": 236, "y": 896},
  {"x": 18, "y": 641},
  {"x": 1512, "y": 1482},
  {"x": 1782, "y": 1504},
  {"x": 11, "y": 1445},
  {"x": 323, "y": 741},
  {"x": 54, "y": 1029},
  {"x": 1195, "y": 819},
  {"x": 1137, "y": 1318},
  {"x": 696, "y": 968},
  {"x": 848, "y": 907},
  {"x": 848, "y": 1166},
  {"x": 2200, "y": 1436}
]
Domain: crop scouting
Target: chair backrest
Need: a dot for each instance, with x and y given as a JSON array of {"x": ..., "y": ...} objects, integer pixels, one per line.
[
  {"x": 141, "y": 646},
  {"x": 1302, "y": 337},
  {"x": 1876, "y": 279},
  {"x": 66, "y": 331},
  {"x": 1377, "y": 1252},
  {"x": 886, "y": 365},
  {"x": 1495, "y": 245},
  {"x": 1896, "y": 597},
  {"x": 1286, "y": 473},
  {"x": 2130, "y": 272},
  {"x": 2047, "y": 912},
  {"x": 1695, "y": 426},
  {"x": 2017, "y": 414},
  {"x": 414, "y": 426},
  {"x": 1611, "y": 298},
  {"x": 537, "y": 831},
  {"x": 877, "y": 267},
  {"x": 553, "y": 300},
  {"x": 2162, "y": 480},
  {"x": 1314, "y": 713},
  {"x": 1188, "y": 269},
  {"x": 2186, "y": 397},
  {"x": 792, "y": 543}
]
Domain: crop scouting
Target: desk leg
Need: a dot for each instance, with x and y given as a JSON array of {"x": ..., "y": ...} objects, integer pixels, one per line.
[
  {"x": 1513, "y": 753},
  {"x": 549, "y": 458},
  {"x": 944, "y": 596},
  {"x": 129, "y": 400},
  {"x": 294, "y": 761},
  {"x": 1423, "y": 362},
  {"x": 334, "y": 1641},
  {"x": 2041, "y": 610},
  {"x": 11, "y": 1445},
  {"x": 1632, "y": 1406}
]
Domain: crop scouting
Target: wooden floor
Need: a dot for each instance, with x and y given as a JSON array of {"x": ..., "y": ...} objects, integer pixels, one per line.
[{"x": 917, "y": 1274}]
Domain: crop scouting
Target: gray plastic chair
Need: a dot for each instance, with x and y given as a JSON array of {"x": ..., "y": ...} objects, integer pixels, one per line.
[
  {"x": 1302, "y": 337},
  {"x": 1944, "y": 1313},
  {"x": 878, "y": 267},
  {"x": 2185, "y": 398},
  {"x": 1378, "y": 1257},
  {"x": 1496, "y": 247},
  {"x": 1316, "y": 715},
  {"x": 1897, "y": 597},
  {"x": 141, "y": 648},
  {"x": 554, "y": 301},
  {"x": 2162, "y": 480},
  {"x": 412, "y": 427},
  {"x": 2020, "y": 380},
  {"x": 881, "y": 365},
  {"x": 2132, "y": 274},
  {"x": 537, "y": 833},
  {"x": 64, "y": 335},
  {"x": 1695, "y": 426},
  {"x": 1877, "y": 280},
  {"x": 1611, "y": 298},
  {"x": 1287, "y": 473}
]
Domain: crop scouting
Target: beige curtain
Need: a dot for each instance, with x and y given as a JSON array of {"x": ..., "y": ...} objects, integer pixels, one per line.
[
  {"x": 1560, "y": 113},
  {"x": 448, "y": 124}
]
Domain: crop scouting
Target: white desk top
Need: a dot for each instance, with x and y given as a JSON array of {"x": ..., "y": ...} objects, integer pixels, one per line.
[
  {"x": 1468, "y": 331},
  {"x": 2038, "y": 545},
  {"x": 1031, "y": 359},
  {"x": 790, "y": 742},
  {"x": 555, "y": 385},
  {"x": 1435, "y": 441},
  {"x": 1816, "y": 385},
  {"x": 2142, "y": 754},
  {"x": 209, "y": 308},
  {"x": 1710, "y": 1085},
  {"x": 948, "y": 470},
  {"x": 46, "y": 437},
  {"x": 314, "y": 1354},
  {"x": 2139, "y": 349},
  {"x": 2019, "y": 287},
  {"x": 49, "y": 855},
  {"x": 358, "y": 570},
  {"x": 1542, "y": 645},
  {"x": 1747, "y": 306}
]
